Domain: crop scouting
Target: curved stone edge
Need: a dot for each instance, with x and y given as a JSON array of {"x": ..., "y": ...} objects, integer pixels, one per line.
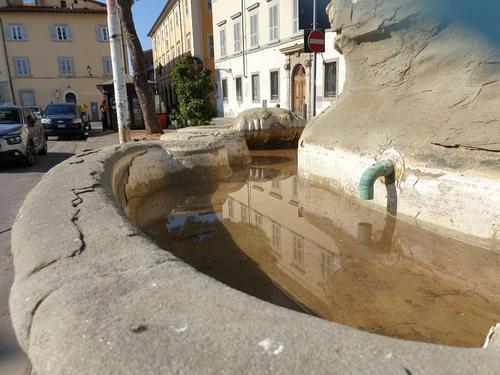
[{"x": 92, "y": 295}]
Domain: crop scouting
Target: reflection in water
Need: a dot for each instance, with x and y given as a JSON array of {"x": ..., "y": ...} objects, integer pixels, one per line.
[{"x": 315, "y": 251}]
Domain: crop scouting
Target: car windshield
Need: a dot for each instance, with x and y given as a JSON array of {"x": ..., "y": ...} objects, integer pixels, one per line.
[
  {"x": 55, "y": 110},
  {"x": 10, "y": 116}
]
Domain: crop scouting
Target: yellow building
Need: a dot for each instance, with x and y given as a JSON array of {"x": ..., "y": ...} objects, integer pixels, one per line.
[
  {"x": 53, "y": 51},
  {"x": 183, "y": 26}
]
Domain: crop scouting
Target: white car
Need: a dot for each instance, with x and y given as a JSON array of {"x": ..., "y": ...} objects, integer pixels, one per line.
[{"x": 22, "y": 135}]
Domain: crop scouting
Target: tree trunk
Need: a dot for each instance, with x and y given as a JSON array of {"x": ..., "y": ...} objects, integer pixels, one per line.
[{"x": 142, "y": 87}]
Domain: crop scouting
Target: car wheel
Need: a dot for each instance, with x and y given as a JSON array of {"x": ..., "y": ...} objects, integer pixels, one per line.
[
  {"x": 44, "y": 149},
  {"x": 82, "y": 135},
  {"x": 30, "y": 158}
]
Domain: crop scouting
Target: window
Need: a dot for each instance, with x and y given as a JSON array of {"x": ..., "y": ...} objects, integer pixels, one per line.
[
  {"x": 230, "y": 207},
  {"x": 254, "y": 28},
  {"x": 275, "y": 85},
  {"x": 224, "y": 89},
  {"x": 327, "y": 265},
  {"x": 60, "y": 33},
  {"x": 258, "y": 220},
  {"x": 102, "y": 33},
  {"x": 255, "y": 87},
  {"x": 188, "y": 42},
  {"x": 63, "y": 4},
  {"x": 209, "y": 5},
  {"x": 22, "y": 66},
  {"x": 274, "y": 33},
  {"x": 222, "y": 36},
  {"x": 27, "y": 97},
  {"x": 176, "y": 18},
  {"x": 179, "y": 52},
  {"x": 107, "y": 68},
  {"x": 186, "y": 7},
  {"x": 295, "y": 17},
  {"x": 239, "y": 89},
  {"x": 210, "y": 46},
  {"x": 65, "y": 66},
  {"x": 277, "y": 235},
  {"x": 298, "y": 250},
  {"x": 276, "y": 187},
  {"x": 331, "y": 79},
  {"x": 243, "y": 213},
  {"x": 237, "y": 35},
  {"x": 16, "y": 33}
]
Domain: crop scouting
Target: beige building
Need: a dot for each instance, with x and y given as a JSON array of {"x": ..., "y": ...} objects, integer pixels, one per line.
[
  {"x": 183, "y": 26},
  {"x": 53, "y": 51}
]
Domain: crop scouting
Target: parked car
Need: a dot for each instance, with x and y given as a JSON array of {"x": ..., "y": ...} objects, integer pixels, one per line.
[
  {"x": 64, "y": 119},
  {"x": 21, "y": 135},
  {"x": 37, "y": 111}
]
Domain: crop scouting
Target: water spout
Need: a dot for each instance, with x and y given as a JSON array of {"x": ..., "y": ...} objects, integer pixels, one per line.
[{"x": 380, "y": 168}]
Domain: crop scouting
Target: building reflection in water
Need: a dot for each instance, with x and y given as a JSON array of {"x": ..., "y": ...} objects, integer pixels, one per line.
[{"x": 311, "y": 250}]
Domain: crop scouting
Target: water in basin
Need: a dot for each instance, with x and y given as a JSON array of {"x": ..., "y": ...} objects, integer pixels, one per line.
[{"x": 321, "y": 253}]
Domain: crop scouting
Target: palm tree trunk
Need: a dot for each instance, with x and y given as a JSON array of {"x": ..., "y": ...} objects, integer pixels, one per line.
[{"x": 142, "y": 87}]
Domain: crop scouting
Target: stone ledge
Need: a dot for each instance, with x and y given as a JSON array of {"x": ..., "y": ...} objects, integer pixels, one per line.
[{"x": 92, "y": 295}]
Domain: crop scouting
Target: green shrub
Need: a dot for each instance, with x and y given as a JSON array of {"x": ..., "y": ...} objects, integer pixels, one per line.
[{"x": 192, "y": 86}]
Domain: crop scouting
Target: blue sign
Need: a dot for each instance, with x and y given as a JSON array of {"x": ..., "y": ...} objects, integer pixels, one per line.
[{"x": 306, "y": 15}]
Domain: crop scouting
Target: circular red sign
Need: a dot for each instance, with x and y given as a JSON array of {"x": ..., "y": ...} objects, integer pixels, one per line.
[{"x": 316, "y": 41}]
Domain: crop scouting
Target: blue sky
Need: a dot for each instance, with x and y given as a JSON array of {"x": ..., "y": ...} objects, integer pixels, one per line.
[{"x": 145, "y": 14}]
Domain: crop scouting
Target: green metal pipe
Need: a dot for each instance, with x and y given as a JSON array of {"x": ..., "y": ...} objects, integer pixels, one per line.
[{"x": 380, "y": 168}]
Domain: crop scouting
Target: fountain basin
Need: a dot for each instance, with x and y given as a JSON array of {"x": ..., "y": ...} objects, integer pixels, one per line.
[{"x": 93, "y": 295}]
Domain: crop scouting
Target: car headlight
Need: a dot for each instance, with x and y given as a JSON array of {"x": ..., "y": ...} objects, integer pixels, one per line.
[
  {"x": 15, "y": 132},
  {"x": 14, "y": 140},
  {"x": 46, "y": 121},
  {"x": 77, "y": 121}
]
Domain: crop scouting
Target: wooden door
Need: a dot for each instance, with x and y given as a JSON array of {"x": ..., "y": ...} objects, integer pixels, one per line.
[{"x": 299, "y": 88}]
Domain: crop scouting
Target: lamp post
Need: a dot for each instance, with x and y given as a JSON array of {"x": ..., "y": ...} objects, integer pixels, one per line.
[{"x": 122, "y": 112}]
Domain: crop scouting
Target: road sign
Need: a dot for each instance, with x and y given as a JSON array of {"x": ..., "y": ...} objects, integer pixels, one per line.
[
  {"x": 314, "y": 41},
  {"x": 306, "y": 10}
]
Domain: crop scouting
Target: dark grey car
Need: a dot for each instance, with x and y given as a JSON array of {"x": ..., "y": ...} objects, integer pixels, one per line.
[{"x": 64, "y": 119}]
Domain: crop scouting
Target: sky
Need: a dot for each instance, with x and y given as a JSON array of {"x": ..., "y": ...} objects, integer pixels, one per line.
[{"x": 145, "y": 14}]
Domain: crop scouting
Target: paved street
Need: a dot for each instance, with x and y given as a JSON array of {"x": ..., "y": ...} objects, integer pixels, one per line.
[{"x": 15, "y": 183}]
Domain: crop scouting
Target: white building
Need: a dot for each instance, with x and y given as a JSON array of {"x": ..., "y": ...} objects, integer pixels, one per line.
[{"x": 260, "y": 59}]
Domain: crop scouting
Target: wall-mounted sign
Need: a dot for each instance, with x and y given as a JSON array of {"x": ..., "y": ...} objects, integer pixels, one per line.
[{"x": 314, "y": 41}]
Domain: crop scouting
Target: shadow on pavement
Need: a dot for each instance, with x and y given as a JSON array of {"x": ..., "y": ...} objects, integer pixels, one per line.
[{"x": 43, "y": 164}]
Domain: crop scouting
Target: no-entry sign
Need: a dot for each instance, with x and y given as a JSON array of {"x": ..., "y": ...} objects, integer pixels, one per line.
[{"x": 314, "y": 41}]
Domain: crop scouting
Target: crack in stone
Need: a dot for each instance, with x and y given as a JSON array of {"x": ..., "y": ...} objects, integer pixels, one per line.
[
  {"x": 83, "y": 245},
  {"x": 466, "y": 147},
  {"x": 34, "y": 311},
  {"x": 5, "y": 231},
  {"x": 42, "y": 266},
  {"x": 90, "y": 152}
]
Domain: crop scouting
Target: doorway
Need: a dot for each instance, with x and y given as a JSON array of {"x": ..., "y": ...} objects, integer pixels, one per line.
[
  {"x": 70, "y": 98},
  {"x": 298, "y": 88}
]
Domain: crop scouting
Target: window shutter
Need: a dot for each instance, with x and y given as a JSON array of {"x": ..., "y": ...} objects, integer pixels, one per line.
[
  {"x": 24, "y": 33},
  {"x": 8, "y": 33},
  {"x": 53, "y": 33},
  {"x": 28, "y": 65},
  {"x": 70, "y": 34},
  {"x": 98, "y": 33}
]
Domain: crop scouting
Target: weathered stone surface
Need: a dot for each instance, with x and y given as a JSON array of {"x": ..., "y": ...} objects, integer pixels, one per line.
[
  {"x": 93, "y": 296},
  {"x": 269, "y": 126},
  {"x": 423, "y": 79},
  {"x": 188, "y": 138}
]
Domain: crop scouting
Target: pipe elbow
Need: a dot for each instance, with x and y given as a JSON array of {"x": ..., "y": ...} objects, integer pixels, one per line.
[{"x": 381, "y": 168}]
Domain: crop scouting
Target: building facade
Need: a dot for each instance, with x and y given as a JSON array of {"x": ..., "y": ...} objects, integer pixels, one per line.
[
  {"x": 260, "y": 59},
  {"x": 54, "y": 51},
  {"x": 183, "y": 26}
]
